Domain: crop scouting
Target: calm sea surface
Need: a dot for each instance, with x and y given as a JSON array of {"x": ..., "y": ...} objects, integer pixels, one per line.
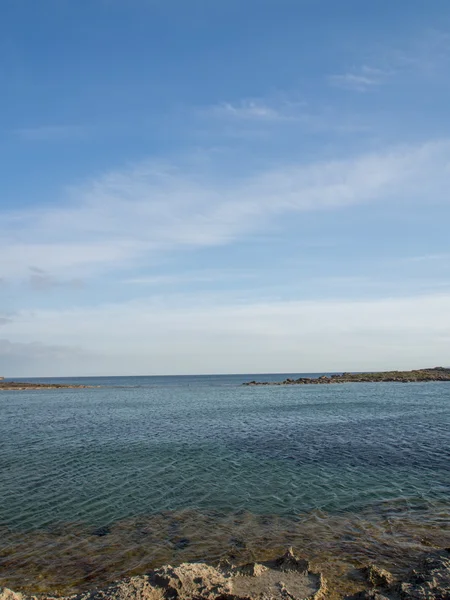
[{"x": 100, "y": 483}]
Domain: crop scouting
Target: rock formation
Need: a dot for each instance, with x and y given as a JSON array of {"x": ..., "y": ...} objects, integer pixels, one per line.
[
  {"x": 419, "y": 375},
  {"x": 286, "y": 578}
]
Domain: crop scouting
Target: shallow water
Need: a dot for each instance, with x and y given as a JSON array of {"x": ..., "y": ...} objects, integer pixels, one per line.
[{"x": 99, "y": 483}]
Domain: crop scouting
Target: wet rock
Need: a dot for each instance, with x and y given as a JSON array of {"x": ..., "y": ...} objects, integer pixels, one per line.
[
  {"x": 182, "y": 543},
  {"x": 429, "y": 581},
  {"x": 378, "y": 578},
  {"x": 371, "y": 595},
  {"x": 289, "y": 562},
  {"x": 135, "y": 588},
  {"x": 101, "y": 531},
  {"x": 287, "y": 578}
]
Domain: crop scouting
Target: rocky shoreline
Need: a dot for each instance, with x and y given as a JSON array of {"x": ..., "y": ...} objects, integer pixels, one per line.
[
  {"x": 9, "y": 386},
  {"x": 419, "y": 375},
  {"x": 286, "y": 578}
]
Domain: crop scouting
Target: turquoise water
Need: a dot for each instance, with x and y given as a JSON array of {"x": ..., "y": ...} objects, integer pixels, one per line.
[{"x": 145, "y": 447}]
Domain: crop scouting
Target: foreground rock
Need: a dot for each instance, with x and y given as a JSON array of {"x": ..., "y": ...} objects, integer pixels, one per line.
[
  {"x": 419, "y": 375},
  {"x": 9, "y": 386},
  {"x": 287, "y": 578},
  {"x": 429, "y": 581},
  {"x": 284, "y": 578}
]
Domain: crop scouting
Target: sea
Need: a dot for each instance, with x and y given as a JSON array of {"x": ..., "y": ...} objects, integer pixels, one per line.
[{"x": 133, "y": 473}]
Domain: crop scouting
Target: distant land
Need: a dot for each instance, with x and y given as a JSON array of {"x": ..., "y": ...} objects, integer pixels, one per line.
[
  {"x": 8, "y": 386},
  {"x": 419, "y": 375}
]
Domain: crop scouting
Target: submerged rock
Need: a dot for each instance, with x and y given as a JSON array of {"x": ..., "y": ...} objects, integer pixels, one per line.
[
  {"x": 429, "y": 581},
  {"x": 286, "y": 578}
]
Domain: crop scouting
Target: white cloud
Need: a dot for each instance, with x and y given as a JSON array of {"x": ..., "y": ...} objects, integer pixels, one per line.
[
  {"x": 251, "y": 110},
  {"x": 255, "y": 118},
  {"x": 425, "y": 58},
  {"x": 193, "y": 335},
  {"x": 360, "y": 80},
  {"x": 205, "y": 276},
  {"x": 131, "y": 217}
]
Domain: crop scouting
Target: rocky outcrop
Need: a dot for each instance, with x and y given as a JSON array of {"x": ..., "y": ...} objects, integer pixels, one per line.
[
  {"x": 420, "y": 375},
  {"x": 429, "y": 581},
  {"x": 9, "y": 386},
  {"x": 287, "y": 578}
]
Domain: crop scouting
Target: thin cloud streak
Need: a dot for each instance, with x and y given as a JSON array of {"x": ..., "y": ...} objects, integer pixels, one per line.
[
  {"x": 204, "y": 276},
  {"x": 250, "y": 110},
  {"x": 131, "y": 218},
  {"x": 360, "y": 80}
]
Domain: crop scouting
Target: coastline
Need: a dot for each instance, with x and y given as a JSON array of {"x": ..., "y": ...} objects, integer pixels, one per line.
[
  {"x": 287, "y": 577},
  {"x": 72, "y": 560},
  {"x": 414, "y": 376},
  {"x": 21, "y": 386}
]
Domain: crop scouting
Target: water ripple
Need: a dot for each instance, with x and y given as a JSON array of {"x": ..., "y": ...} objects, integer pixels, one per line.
[{"x": 103, "y": 459}]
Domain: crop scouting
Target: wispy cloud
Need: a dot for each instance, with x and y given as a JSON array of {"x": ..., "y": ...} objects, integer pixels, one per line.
[
  {"x": 426, "y": 57},
  {"x": 133, "y": 216},
  {"x": 42, "y": 281},
  {"x": 362, "y": 79},
  {"x": 205, "y": 276},
  {"x": 429, "y": 55},
  {"x": 253, "y": 110},
  {"x": 254, "y": 117}
]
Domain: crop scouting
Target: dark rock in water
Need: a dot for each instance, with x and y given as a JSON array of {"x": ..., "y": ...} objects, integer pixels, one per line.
[
  {"x": 10, "y": 386},
  {"x": 182, "y": 543},
  {"x": 419, "y": 375},
  {"x": 370, "y": 595},
  {"x": 101, "y": 531},
  {"x": 237, "y": 543},
  {"x": 429, "y": 581}
]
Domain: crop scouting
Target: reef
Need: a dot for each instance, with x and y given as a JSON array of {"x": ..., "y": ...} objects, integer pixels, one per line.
[
  {"x": 416, "y": 376},
  {"x": 8, "y": 386},
  {"x": 285, "y": 578}
]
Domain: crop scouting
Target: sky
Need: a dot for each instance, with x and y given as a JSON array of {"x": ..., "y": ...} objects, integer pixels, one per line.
[{"x": 224, "y": 186}]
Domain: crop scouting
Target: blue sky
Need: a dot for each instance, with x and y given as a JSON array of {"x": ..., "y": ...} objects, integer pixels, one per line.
[{"x": 200, "y": 186}]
